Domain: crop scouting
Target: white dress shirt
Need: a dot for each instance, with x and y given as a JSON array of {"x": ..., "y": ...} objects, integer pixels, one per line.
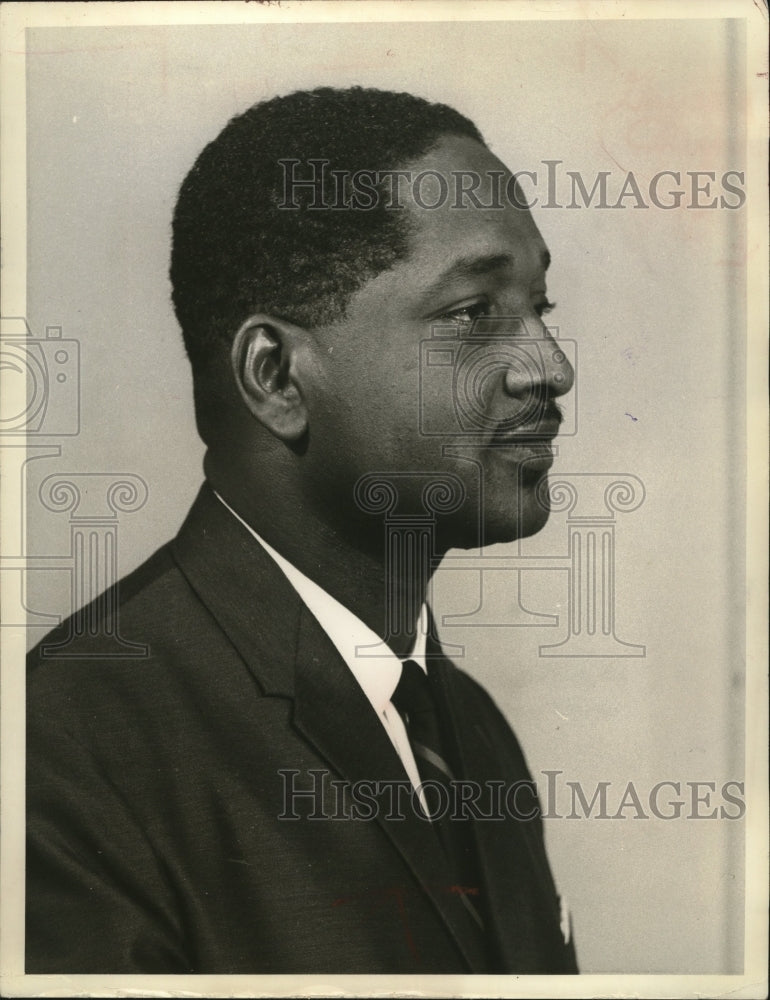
[{"x": 371, "y": 661}]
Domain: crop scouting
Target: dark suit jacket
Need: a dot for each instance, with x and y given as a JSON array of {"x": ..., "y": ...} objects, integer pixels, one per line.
[{"x": 154, "y": 795}]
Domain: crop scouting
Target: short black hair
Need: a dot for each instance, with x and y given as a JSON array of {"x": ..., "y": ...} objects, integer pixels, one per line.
[{"x": 236, "y": 251}]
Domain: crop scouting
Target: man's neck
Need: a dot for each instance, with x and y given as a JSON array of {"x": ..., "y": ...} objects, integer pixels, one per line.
[{"x": 386, "y": 597}]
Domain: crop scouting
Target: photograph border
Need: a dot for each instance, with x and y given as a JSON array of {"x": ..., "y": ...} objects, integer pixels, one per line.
[{"x": 14, "y": 19}]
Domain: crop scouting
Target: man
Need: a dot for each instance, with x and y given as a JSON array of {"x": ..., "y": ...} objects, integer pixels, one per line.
[{"x": 232, "y": 803}]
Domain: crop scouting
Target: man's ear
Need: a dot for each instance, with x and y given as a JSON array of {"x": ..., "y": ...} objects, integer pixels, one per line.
[{"x": 264, "y": 360}]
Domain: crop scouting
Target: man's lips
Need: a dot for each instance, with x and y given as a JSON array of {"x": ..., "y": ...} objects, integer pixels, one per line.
[
  {"x": 543, "y": 429},
  {"x": 545, "y": 432}
]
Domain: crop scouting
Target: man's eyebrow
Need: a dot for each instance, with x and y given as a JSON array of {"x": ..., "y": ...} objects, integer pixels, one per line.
[
  {"x": 472, "y": 267},
  {"x": 467, "y": 267}
]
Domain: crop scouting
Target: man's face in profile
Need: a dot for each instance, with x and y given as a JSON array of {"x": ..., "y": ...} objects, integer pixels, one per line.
[{"x": 477, "y": 403}]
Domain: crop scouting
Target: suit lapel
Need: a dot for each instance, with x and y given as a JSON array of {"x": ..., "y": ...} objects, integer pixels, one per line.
[
  {"x": 522, "y": 901},
  {"x": 290, "y": 655},
  {"x": 334, "y": 715}
]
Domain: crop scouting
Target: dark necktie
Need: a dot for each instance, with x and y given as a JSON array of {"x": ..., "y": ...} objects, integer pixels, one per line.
[{"x": 414, "y": 702}]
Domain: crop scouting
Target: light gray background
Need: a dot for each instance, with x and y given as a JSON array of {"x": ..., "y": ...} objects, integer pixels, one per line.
[{"x": 655, "y": 298}]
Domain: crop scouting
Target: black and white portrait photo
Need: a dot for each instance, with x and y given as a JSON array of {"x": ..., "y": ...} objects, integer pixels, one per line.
[{"x": 383, "y": 446}]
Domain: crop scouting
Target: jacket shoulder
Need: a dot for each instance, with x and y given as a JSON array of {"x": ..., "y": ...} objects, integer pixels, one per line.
[{"x": 135, "y": 600}]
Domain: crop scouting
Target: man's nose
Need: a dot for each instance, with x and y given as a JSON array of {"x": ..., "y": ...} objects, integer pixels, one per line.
[{"x": 538, "y": 365}]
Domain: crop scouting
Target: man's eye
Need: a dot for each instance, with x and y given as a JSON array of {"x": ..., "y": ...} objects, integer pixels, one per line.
[
  {"x": 465, "y": 315},
  {"x": 543, "y": 308}
]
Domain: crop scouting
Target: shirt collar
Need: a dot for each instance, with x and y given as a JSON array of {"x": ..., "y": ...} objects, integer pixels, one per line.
[{"x": 371, "y": 661}]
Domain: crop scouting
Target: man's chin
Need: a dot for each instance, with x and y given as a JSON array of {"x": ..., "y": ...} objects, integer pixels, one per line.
[
  {"x": 497, "y": 532},
  {"x": 509, "y": 512},
  {"x": 497, "y": 528},
  {"x": 520, "y": 516}
]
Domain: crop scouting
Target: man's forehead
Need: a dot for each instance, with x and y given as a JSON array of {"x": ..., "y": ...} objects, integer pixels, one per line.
[
  {"x": 477, "y": 264},
  {"x": 459, "y": 152},
  {"x": 459, "y": 197},
  {"x": 464, "y": 242},
  {"x": 456, "y": 171}
]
